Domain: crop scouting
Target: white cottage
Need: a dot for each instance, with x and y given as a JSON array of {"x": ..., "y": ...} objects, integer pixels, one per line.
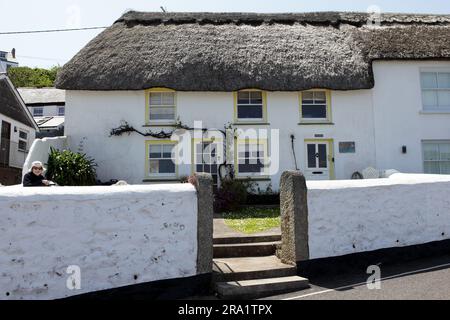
[{"x": 326, "y": 93}]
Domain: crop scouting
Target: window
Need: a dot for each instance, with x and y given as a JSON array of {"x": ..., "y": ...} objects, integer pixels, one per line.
[
  {"x": 162, "y": 106},
  {"x": 38, "y": 111},
  {"x": 250, "y": 106},
  {"x": 436, "y": 157},
  {"x": 435, "y": 90},
  {"x": 315, "y": 106},
  {"x": 251, "y": 158},
  {"x": 61, "y": 111},
  {"x": 23, "y": 140},
  {"x": 161, "y": 159},
  {"x": 206, "y": 158}
]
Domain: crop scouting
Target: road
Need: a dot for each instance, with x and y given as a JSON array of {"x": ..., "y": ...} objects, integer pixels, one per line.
[{"x": 421, "y": 279}]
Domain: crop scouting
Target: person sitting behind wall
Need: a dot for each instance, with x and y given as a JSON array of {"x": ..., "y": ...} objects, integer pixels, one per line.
[{"x": 35, "y": 177}]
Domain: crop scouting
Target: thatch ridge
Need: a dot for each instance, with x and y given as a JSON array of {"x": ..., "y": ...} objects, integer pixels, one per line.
[{"x": 232, "y": 51}]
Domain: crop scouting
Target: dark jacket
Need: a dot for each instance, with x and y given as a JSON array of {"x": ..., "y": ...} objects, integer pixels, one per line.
[{"x": 32, "y": 180}]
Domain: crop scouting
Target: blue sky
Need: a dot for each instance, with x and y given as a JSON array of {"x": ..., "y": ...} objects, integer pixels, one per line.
[{"x": 45, "y": 50}]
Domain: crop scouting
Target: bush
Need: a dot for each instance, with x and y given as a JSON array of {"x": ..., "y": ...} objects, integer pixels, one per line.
[
  {"x": 231, "y": 195},
  {"x": 68, "y": 168}
]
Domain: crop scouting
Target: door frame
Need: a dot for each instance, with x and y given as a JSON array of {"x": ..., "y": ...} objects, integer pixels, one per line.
[{"x": 330, "y": 155}]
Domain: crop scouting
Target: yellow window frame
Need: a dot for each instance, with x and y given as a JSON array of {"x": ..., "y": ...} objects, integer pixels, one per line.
[
  {"x": 147, "y": 159},
  {"x": 328, "y": 110},
  {"x": 264, "y": 106},
  {"x": 147, "y": 106},
  {"x": 238, "y": 142},
  {"x": 194, "y": 142}
]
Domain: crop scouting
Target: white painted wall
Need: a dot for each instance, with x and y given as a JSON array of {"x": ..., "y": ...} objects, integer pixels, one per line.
[
  {"x": 350, "y": 216},
  {"x": 16, "y": 157},
  {"x": 48, "y": 110},
  {"x": 111, "y": 233}
]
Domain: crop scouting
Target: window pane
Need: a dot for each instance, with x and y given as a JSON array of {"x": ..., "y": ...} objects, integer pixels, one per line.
[
  {"x": 311, "y": 149},
  {"x": 444, "y": 151},
  {"x": 307, "y": 97},
  {"x": 38, "y": 112},
  {"x": 250, "y": 112},
  {"x": 199, "y": 168},
  {"x": 166, "y": 166},
  {"x": 251, "y": 167},
  {"x": 155, "y": 99},
  {"x": 61, "y": 111},
  {"x": 167, "y": 151},
  {"x": 154, "y": 166},
  {"x": 162, "y": 113},
  {"x": 322, "y": 155},
  {"x": 431, "y": 167},
  {"x": 22, "y": 145},
  {"x": 428, "y": 79},
  {"x": 319, "y": 97},
  {"x": 445, "y": 167},
  {"x": 444, "y": 98},
  {"x": 23, "y": 135},
  {"x": 255, "y": 97},
  {"x": 444, "y": 80},
  {"x": 243, "y": 97},
  {"x": 155, "y": 151},
  {"x": 168, "y": 99},
  {"x": 314, "y": 111},
  {"x": 429, "y": 98},
  {"x": 430, "y": 151}
]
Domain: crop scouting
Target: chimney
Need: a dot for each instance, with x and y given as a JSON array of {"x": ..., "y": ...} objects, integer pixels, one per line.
[{"x": 13, "y": 53}]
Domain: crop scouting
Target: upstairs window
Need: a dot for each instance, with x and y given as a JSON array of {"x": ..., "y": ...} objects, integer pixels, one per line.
[
  {"x": 23, "y": 141},
  {"x": 315, "y": 106},
  {"x": 250, "y": 106},
  {"x": 435, "y": 91},
  {"x": 61, "y": 111},
  {"x": 38, "y": 111},
  {"x": 161, "y": 106}
]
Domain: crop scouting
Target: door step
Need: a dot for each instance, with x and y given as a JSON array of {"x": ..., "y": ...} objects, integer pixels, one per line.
[
  {"x": 249, "y": 268},
  {"x": 247, "y": 239},
  {"x": 252, "y": 249},
  {"x": 250, "y": 289}
]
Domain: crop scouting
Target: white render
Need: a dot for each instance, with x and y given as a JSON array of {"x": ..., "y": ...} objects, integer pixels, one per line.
[
  {"x": 379, "y": 120},
  {"x": 350, "y": 216},
  {"x": 118, "y": 236}
]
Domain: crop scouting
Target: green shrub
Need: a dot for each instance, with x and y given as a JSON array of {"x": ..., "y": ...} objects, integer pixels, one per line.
[
  {"x": 231, "y": 195},
  {"x": 68, "y": 168}
]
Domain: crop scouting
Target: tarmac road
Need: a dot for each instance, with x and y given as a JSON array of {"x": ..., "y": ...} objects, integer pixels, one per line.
[{"x": 423, "y": 279}]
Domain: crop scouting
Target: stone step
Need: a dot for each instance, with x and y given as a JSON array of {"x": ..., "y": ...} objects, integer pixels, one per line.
[
  {"x": 248, "y": 268},
  {"x": 250, "y": 289},
  {"x": 247, "y": 239},
  {"x": 254, "y": 249}
]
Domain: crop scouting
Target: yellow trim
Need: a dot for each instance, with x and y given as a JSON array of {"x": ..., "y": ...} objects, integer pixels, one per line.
[
  {"x": 236, "y": 164},
  {"x": 330, "y": 155},
  {"x": 316, "y": 121},
  {"x": 147, "y": 159},
  {"x": 264, "y": 105},
  {"x": 147, "y": 107},
  {"x": 193, "y": 142}
]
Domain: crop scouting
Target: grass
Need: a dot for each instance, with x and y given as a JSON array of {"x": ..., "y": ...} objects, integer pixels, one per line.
[{"x": 253, "y": 219}]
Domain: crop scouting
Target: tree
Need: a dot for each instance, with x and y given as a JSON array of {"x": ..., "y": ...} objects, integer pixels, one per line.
[{"x": 33, "y": 77}]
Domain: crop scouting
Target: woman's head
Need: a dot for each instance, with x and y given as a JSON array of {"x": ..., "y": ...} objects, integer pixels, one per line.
[{"x": 37, "y": 168}]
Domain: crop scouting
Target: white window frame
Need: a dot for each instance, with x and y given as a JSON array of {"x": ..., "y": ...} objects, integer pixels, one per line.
[
  {"x": 437, "y": 108},
  {"x": 438, "y": 161},
  {"x": 173, "y": 157},
  {"x": 263, "y": 106},
  {"x": 23, "y": 140},
  {"x": 36, "y": 108},
  {"x": 263, "y": 143},
  {"x": 150, "y": 106}
]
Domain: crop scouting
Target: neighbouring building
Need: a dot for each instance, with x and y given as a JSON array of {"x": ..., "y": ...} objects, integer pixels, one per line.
[
  {"x": 47, "y": 105},
  {"x": 345, "y": 90},
  {"x": 18, "y": 131},
  {"x": 8, "y": 60}
]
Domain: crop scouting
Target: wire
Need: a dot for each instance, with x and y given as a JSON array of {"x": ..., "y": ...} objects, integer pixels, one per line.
[{"x": 54, "y": 30}]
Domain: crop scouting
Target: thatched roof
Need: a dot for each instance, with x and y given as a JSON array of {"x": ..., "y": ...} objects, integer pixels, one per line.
[{"x": 232, "y": 51}]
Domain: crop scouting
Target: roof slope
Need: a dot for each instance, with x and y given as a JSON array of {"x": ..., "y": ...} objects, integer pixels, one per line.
[
  {"x": 42, "y": 95},
  {"x": 11, "y": 105},
  {"x": 231, "y": 51}
]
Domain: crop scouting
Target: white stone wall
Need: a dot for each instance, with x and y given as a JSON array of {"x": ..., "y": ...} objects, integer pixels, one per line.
[
  {"x": 350, "y": 216},
  {"x": 118, "y": 236}
]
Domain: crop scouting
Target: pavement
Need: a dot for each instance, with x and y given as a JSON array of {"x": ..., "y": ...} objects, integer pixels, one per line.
[
  {"x": 424, "y": 279},
  {"x": 221, "y": 230}
]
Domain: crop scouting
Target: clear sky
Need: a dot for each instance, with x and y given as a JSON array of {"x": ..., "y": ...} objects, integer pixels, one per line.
[{"x": 48, "y": 49}]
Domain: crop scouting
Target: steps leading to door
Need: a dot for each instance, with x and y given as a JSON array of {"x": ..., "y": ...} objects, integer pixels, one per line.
[{"x": 247, "y": 267}]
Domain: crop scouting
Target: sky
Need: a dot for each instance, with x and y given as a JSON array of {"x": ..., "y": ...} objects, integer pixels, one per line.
[{"x": 49, "y": 49}]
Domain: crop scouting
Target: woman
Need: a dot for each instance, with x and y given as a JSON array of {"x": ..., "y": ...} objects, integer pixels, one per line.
[{"x": 35, "y": 177}]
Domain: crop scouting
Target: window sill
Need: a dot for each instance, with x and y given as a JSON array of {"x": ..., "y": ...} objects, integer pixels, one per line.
[
  {"x": 161, "y": 124},
  {"x": 249, "y": 123},
  {"x": 161, "y": 179},
  {"x": 24, "y": 151},
  {"x": 434, "y": 111},
  {"x": 307, "y": 123}
]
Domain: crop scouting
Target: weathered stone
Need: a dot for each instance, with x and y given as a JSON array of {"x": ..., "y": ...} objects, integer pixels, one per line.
[
  {"x": 294, "y": 218},
  {"x": 203, "y": 184}
]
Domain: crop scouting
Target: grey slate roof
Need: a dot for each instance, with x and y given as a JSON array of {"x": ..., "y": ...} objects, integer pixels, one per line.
[
  {"x": 42, "y": 95},
  {"x": 232, "y": 51}
]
